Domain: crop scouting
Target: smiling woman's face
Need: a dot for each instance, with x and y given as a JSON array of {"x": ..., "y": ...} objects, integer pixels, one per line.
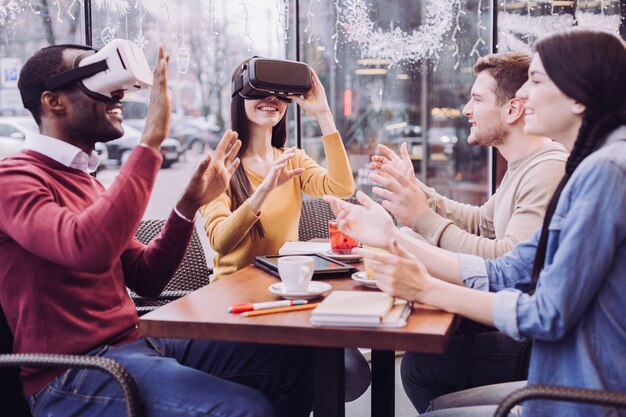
[
  {"x": 549, "y": 112},
  {"x": 265, "y": 112}
]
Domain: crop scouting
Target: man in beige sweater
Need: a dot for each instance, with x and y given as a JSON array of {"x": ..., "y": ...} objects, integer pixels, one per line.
[{"x": 516, "y": 209}]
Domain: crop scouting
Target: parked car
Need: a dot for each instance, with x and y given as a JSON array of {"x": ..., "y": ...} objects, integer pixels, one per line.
[
  {"x": 16, "y": 128},
  {"x": 13, "y": 132},
  {"x": 194, "y": 137},
  {"x": 119, "y": 149},
  {"x": 10, "y": 145},
  {"x": 194, "y": 134},
  {"x": 441, "y": 140}
]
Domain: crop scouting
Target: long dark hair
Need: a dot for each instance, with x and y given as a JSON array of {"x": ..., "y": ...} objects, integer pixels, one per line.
[
  {"x": 240, "y": 187},
  {"x": 587, "y": 66}
]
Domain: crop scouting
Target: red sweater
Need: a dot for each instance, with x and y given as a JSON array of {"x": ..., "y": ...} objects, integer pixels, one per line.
[{"x": 67, "y": 252}]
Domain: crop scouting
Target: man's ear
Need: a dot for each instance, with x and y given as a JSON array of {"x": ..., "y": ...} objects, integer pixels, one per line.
[
  {"x": 52, "y": 102},
  {"x": 578, "y": 108},
  {"x": 515, "y": 110}
]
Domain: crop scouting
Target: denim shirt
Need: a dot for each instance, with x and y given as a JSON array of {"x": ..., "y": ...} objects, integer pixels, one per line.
[{"x": 577, "y": 316}]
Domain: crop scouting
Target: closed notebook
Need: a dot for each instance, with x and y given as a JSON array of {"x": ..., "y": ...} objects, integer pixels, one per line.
[
  {"x": 299, "y": 248},
  {"x": 360, "y": 308}
]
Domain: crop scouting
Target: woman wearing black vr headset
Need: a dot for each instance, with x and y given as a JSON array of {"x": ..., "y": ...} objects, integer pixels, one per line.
[{"x": 261, "y": 209}]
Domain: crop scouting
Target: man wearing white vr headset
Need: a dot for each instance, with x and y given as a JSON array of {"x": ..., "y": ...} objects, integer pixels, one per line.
[{"x": 63, "y": 235}]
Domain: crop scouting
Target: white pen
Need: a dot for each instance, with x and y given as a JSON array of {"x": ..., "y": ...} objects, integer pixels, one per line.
[{"x": 240, "y": 308}]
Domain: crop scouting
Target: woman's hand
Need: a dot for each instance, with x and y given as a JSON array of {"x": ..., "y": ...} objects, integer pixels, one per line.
[
  {"x": 315, "y": 104},
  {"x": 402, "y": 275},
  {"x": 278, "y": 173},
  {"x": 276, "y": 176},
  {"x": 369, "y": 222},
  {"x": 399, "y": 273}
]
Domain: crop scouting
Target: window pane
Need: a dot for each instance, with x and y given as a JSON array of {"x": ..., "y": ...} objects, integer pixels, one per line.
[
  {"x": 394, "y": 71},
  {"x": 206, "y": 41},
  {"x": 386, "y": 87},
  {"x": 25, "y": 27}
]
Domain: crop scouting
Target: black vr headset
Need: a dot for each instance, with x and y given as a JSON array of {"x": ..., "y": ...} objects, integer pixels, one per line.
[
  {"x": 261, "y": 77},
  {"x": 118, "y": 66}
]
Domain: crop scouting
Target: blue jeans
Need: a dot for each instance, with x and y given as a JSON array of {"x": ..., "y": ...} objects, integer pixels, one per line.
[
  {"x": 475, "y": 402},
  {"x": 186, "y": 378},
  {"x": 425, "y": 376}
]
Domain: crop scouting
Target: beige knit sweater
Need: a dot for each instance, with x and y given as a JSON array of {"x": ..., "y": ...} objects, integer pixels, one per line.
[{"x": 510, "y": 216}]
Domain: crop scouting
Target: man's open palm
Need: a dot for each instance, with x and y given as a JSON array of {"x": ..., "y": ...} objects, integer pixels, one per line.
[{"x": 212, "y": 176}]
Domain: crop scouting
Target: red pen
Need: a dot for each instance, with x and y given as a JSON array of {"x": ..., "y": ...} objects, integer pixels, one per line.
[{"x": 240, "y": 308}]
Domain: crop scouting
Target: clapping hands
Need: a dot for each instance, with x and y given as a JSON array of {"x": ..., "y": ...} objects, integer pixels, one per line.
[
  {"x": 388, "y": 157},
  {"x": 401, "y": 194},
  {"x": 369, "y": 222}
]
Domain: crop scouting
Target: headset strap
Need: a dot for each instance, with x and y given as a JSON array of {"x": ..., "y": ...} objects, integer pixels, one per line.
[
  {"x": 75, "y": 74},
  {"x": 236, "y": 85}
]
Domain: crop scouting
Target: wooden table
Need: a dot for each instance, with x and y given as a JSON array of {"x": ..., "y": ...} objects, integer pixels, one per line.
[{"x": 203, "y": 314}]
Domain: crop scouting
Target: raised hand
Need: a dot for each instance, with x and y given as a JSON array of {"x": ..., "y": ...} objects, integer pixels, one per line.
[
  {"x": 278, "y": 173},
  {"x": 160, "y": 107},
  {"x": 315, "y": 104},
  {"x": 276, "y": 176},
  {"x": 212, "y": 175},
  {"x": 368, "y": 222},
  {"x": 401, "y": 195},
  {"x": 315, "y": 100},
  {"x": 401, "y": 163}
]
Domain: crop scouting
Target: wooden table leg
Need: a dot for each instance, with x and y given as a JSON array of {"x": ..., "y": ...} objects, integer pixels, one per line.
[
  {"x": 328, "y": 380},
  {"x": 383, "y": 383}
]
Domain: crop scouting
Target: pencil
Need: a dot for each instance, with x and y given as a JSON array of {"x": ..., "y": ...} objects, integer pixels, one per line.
[{"x": 279, "y": 310}]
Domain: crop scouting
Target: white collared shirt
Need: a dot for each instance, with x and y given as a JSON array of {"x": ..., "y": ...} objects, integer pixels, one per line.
[
  {"x": 69, "y": 155},
  {"x": 62, "y": 152}
]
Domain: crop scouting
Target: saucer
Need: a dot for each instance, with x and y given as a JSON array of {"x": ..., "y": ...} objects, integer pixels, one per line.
[
  {"x": 361, "y": 278},
  {"x": 316, "y": 288},
  {"x": 343, "y": 258}
]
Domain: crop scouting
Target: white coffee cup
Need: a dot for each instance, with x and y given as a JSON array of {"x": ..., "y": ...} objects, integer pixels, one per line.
[{"x": 296, "y": 272}]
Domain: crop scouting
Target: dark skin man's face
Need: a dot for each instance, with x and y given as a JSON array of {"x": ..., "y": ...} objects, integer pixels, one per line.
[{"x": 86, "y": 120}]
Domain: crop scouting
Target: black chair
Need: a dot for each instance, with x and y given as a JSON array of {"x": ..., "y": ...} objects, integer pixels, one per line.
[
  {"x": 314, "y": 218},
  {"x": 472, "y": 329},
  {"x": 13, "y": 404},
  {"x": 192, "y": 273},
  {"x": 551, "y": 392}
]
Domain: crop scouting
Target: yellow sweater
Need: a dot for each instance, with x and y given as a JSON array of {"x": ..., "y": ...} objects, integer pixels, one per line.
[{"x": 228, "y": 231}]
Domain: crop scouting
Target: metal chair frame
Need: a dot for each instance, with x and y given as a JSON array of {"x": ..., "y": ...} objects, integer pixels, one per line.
[
  {"x": 11, "y": 401},
  {"x": 552, "y": 392}
]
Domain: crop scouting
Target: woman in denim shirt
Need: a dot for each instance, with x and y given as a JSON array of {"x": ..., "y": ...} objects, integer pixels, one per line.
[{"x": 563, "y": 287}]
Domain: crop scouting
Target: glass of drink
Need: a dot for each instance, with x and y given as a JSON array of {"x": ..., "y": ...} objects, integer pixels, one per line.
[
  {"x": 340, "y": 244},
  {"x": 368, "y": 270}
]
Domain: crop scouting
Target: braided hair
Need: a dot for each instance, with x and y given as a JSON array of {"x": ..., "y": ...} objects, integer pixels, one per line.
[{"x": 587, "y": 66}]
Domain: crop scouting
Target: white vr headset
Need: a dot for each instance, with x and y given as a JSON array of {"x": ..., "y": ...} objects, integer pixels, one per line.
[{"x": 119, "y": 66}]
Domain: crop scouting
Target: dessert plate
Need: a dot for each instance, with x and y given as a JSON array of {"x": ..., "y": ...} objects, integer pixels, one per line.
[
  {"x": 316, "y": 288},
  {"x": 361, "y": 278},
  {"x": 349, "y": 258}
]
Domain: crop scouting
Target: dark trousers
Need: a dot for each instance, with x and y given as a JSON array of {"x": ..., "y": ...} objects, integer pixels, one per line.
[
  {"x": 189, "y": 378},
  {"x": 493, "y": 360}
]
